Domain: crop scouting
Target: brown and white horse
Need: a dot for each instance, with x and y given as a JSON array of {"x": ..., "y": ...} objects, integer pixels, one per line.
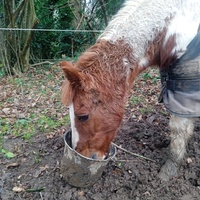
[{"x": 143, "y": 34}]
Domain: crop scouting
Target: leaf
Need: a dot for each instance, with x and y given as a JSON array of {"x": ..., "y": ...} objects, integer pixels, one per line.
[
  {"x": 35, "y": 189},
  {"x": 18, "y": 189},
  {"x": 3, "y": 151},
  {"x": 10, "y": 155},
  {"x": 6, "y": 111}
]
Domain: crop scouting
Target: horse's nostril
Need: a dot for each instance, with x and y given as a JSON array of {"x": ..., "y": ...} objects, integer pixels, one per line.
[{"x": 94, "y": 156}]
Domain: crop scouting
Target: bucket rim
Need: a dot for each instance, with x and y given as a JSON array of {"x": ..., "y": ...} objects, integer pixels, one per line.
[{"x": 112, "y": 148}]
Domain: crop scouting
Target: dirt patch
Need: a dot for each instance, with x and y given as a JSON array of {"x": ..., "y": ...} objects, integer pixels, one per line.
[{"x": 34, "y": 173}]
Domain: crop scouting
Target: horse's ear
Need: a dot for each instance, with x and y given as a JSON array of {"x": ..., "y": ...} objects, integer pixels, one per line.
[
  {"x": 71, "y": 73},
  {"x": 73, "y": 81}
]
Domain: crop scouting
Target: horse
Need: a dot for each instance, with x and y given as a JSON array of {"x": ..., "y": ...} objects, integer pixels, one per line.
[{"x": 143, "y": 34}]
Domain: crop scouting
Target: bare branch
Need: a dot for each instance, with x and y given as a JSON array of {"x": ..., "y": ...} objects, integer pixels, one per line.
[
  {"x": 42, "y": 63},
  {"x": 8, "y": 14},
  {"x": 104, "y": 11},
  {"x": 89, "y": 25},
  {"x": 18, "y": 9}
]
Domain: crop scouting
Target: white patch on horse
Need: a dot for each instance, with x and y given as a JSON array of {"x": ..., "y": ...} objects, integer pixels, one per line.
[
  {"x": 184, "y": 25},
  {"x": 139, "y": 22},
  {"x": 127, "y": 65},
  {"x": 143, "y": 62},
  {"x": 75, "y": 136}
]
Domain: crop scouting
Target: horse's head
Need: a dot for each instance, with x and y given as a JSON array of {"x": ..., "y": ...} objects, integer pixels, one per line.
[
  {"x": 95, "y": 90},
  {"x": 95, "y": 114}
]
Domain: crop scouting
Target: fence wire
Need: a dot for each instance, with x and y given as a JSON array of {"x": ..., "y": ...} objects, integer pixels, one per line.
[{"x": 52, "y": 30}]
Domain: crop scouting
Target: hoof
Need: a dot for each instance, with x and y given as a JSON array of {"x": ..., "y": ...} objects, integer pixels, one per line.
[{"x": 168, "y": 170}]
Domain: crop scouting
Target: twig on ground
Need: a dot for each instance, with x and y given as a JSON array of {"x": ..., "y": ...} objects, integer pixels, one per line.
[
  {"x": 42, "y": 63},
  {"x": 38, "y": 98},
  {"x": 133, "y": 154},
  {"x": 19, "y": 197},
  {"x": 128, "y": 160},
  {"x": 41, "y": 196}
]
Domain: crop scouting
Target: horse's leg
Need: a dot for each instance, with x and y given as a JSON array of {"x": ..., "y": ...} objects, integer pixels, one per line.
[{"x": 181, "y": 130}]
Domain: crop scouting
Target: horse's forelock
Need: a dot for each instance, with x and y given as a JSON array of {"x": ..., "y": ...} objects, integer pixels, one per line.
[
  {"x": 102, "y": 68},
  {"x": 86, "y": 60}
]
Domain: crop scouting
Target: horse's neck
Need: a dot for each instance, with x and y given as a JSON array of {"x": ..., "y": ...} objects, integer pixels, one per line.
[{"x": 140, "y": 24}]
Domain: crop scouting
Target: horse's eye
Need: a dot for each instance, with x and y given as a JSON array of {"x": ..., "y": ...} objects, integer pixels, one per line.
[{"x": 83, "y": 118}]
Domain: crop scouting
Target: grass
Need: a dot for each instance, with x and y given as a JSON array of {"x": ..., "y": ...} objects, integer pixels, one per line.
[
  {"x": 151, "y": 75},
  {"x": 33, "y": 104},
  {"x": 144, "y": 95},
  {"x": 7, "y": 153},
  {"x": 135, "y": 100},
  {"x": 26, "y": 128},
  {"x": 147, "y": 109}
]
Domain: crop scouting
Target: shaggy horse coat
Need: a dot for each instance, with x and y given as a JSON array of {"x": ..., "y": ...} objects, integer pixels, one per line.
[{"x": 144, "y": 33}]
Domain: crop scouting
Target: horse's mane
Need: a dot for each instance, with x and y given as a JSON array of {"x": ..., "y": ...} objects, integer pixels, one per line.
[
  {"x": 104, "y": 60},
  {"x": 139, "y": 22},
  {"x": 124, "y": 13},
  {"x": 102, "y": 67}
]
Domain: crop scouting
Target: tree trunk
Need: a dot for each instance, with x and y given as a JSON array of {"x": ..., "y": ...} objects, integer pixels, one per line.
[
  {"x": 76, "y": 8},
  {"x": 17, "y": 43}
]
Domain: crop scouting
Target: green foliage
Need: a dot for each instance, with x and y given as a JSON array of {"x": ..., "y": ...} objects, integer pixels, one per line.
[
  {"x": 21, "y": 127},
  {"x": 48, "y": 123},
  {"x": 149, "y": 76},
  {"x": 7, "y": 153},
  {"x": 26, "y": 128},
  {"x": 111, "y": 8},
  {"x": 135, "y": 100},
  {"x": 146, "y": 109},
  {"x": 62, "y": 15},
  {"x": 53, "y": 15},
  {"x": 119, "y": 165},
  {"x": 2, "y": 71},
  {"x": 36, "y": 157}
]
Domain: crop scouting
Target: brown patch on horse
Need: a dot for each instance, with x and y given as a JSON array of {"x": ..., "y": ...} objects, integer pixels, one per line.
[
  {"x": 166, "y": 56},
  {"x": 162, "y": 55},
  {"x": 105, "y": 59},
  {"x": 159, "y": 53},
  {"x": 102, "y": 67},
  {"x": 97, "y": 84}
]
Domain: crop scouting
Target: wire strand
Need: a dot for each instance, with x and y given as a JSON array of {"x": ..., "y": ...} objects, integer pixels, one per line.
[{"x": 48, "y": 30}]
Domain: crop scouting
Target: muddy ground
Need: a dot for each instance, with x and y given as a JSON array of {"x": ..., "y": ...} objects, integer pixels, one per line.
[{"x": 34, "y": 174}]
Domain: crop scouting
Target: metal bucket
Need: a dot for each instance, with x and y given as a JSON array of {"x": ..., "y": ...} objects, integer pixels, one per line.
[{"x": 80, "y": 171}]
